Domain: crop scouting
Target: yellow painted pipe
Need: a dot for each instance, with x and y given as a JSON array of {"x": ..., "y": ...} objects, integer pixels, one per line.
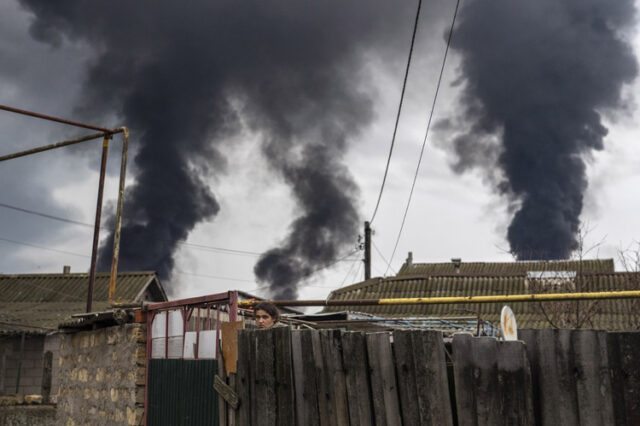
[
  {"x": 545, "y": 297},
  {"x": 502, "y": 298}
]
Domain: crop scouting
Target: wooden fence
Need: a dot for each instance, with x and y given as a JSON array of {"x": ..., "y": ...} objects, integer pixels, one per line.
[{"x": 409, "y": 377}]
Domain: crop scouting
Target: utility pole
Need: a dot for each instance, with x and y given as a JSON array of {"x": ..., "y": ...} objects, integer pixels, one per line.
[{"x": 367, "y": 251}]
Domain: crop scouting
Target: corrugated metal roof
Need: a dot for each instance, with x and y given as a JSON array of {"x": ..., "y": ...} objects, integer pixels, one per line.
[
  {"x": 603, "y": 314},
  {"x": 37, "y": 303},
  {"x": 40, "y": 318},
  {"x": 506, "y": 268},
  {"x": 71, "y": 287}
]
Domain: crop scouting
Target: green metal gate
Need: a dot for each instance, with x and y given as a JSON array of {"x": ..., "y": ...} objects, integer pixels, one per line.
[{"x": 181, "y": 392}]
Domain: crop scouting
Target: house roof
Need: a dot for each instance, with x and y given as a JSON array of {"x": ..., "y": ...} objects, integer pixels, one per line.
[
  {"x": 37, "y": 303},
  {"x": 505, "y": 268},
  {"x": 603, "y": 314}
]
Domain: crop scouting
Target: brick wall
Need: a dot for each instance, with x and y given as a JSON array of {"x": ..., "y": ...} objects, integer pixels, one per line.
[
  {"x": 31, "y": 372},
  {"x": 101, "y": 376}
]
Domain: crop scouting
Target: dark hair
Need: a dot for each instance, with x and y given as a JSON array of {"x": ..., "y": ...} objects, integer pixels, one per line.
[{"x": 269, "y": 308}]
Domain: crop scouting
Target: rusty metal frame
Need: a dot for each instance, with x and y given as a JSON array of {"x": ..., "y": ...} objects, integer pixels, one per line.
[
  {"x": 186, "y": 308},
  {"x": 106, "y": 134}
]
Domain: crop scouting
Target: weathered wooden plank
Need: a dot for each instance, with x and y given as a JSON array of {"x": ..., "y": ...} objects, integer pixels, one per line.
[
  {"x": 487, "y": 389},
  {"x": 331, "y": 341},
  {"x": 310, "y": 387},
  {"x": 405, "y": 370},
  {"x": 604, "y": 372},
  {"x": 593, "y": 385},
  {"x": 432, "y": 383},
  {"x": 552, "y": 369},
  {"x": 516, "y": 392},
  {"x": 231, "y": 411},
  {"x": 284, "y": 388},
  {"x": 530, "y": 339},
  {"x": 350, "y": 381},
  {"x": 384, "y": 389},
  {"x": 222, "y": 405},
  {"x": 624, "y": 362},
  {"x": 243, "y": 384},
  {"x": 298, "y": 375},
  {"x": 463, "y": 372},
  {"x": 354, "y": 353},
  {"x": 230, "y": 344},
  {"x": 322, "y": 386},
  {"x": 264, "y": 410},
  {"x": 225, "y": 391}
]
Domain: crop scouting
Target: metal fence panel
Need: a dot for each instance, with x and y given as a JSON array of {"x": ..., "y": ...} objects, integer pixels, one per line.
[{"x": 181, "y": 392}]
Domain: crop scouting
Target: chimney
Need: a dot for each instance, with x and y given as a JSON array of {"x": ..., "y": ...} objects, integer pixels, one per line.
[
  {"x": 456, "y": 264},
  {"x": 409, "y": 261},
  {"x": 66, "y": 269}
]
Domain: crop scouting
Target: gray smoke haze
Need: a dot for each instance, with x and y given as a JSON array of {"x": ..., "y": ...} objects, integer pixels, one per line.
[
  {"x": 184, "y": 75},
  {"x": 538, "y": 75}
]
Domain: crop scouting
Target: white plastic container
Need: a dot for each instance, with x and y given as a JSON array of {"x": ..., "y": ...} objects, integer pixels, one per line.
[
  {"x": 159, "y": 335},
  {"x": 206, "y": 345}
]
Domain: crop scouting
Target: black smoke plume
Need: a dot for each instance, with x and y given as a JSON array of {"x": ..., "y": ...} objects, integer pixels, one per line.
[
  {"x": 538, "y": 75},
  {"x": 185, "y": 75}
]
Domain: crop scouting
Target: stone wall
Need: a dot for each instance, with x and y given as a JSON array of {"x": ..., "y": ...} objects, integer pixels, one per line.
[
  {"x": 102, "y": 375},
  {"x": 27, "y": 415},
  {"x": 31, "y": 370}
]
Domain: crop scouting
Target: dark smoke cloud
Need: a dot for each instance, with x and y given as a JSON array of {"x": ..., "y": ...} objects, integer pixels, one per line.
[
  {"x": 538, "y": 74},
  {"x": 181, "y": 74}
]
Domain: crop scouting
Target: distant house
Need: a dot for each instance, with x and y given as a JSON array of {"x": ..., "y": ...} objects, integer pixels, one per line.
[
  {"x": 32, "y": 306},
  {"x": 458, "y": 278}
]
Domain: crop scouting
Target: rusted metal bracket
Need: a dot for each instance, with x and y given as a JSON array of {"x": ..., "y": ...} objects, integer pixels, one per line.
[{"x": 106, "y": 134}]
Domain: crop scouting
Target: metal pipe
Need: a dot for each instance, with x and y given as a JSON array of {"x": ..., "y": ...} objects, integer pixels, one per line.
[
  {"x": 233, "y": 306},
  {"x": 150, "y": 317},
  {"x": 57, "y": 119},
  {"x": 96, "y": 229},
  {"x": 547, "y": 297},
  {"x": 197, "y": 334},
  {"x": 367, "y": 251},
  {"x": 54, "y": 146},
  {"x": 218, "y": 307},
  {"x": 118, "y": 227}
]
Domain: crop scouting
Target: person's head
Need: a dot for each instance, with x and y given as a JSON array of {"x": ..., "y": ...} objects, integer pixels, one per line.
[{"x": 266, "y": 314}]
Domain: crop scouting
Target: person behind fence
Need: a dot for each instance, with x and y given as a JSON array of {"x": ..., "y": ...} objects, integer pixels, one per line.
[{"x": 266, "y": 315}]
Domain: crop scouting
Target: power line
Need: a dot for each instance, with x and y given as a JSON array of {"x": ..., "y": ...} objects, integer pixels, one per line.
[
  {"x": 85, "y": 224},
  {"x": 48, "y": 216},
  {"x": 424, "y": 142},
  {"x": 42, "y": 247},
  {"x": 355, "y": 276},
  {"x": 383, "y": 258},
  {"x": 215, "y": 277},
  {"x": 395, "y": 128},
  {"x": 348, "y": 272},
  {"x": 313, "y": 271}
]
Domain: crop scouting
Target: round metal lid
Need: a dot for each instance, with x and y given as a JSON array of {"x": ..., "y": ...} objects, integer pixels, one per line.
[{"x": 508, "y": 324}]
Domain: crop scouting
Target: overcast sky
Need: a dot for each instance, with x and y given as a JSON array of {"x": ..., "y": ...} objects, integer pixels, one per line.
[{"x": 451, "y": 214}]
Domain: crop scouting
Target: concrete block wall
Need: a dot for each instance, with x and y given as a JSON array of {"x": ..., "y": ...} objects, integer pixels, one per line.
[
  {"x": 101, "y": 376},
  {"x": 31, "y": 371}
]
